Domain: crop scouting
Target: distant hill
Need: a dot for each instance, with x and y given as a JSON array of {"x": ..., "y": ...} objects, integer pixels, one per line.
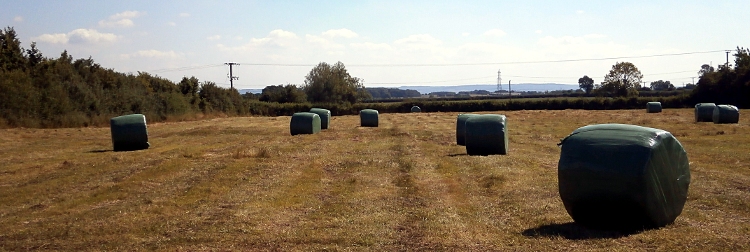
[
  {"x": 491, "y": 87},
  {"x": 468, "y": 87},
  {"x": 251, "y": 90}
]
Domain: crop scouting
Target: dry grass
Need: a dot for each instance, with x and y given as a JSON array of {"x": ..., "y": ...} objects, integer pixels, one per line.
[{"x": 246, "y": 184}]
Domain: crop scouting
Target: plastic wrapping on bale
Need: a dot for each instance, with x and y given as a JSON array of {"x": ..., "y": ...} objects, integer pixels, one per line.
[
  {"x": 461, "y": 128},
  {"x": 486, "y": 135},
  {"x": 704, "y": 112},
  {"x": 726, "y": 114},
  {"x": 129, "y": 132},
  {"x": 368, "y": 118},
  {"x": 653, "y": 107},
  {"x": 325, "y": 116},
  {"x": 617, "y": 176},
  {"x": 416, "y": 109},
  {"x": 304, "y": 123}
]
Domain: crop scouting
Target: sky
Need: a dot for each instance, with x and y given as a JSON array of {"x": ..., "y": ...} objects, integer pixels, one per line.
[{"x": 387, "y": 43}]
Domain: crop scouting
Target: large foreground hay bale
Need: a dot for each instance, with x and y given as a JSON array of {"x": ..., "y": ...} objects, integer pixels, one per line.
[
  {"x": 653, "y": 107},
  {"x": 726, "y": 114},
  {"x": 325, "y": 117},
  {"x": 704, "y": 112},
  {"x": 617, "y": 176},
  {"x": 129, "y": 132},
  {"x": 461, "y": 128},
  {"x": 415, "y": 109},
  {"x": 368, "y": 118},
  {"x": 304, "y": 123},
  {"x": 486, "y": 135}
]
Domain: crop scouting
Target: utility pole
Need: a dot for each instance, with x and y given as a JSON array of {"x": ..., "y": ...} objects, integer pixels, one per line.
[
  {"x": 231, "y": 77},
  {"x": 727, "y": 65},
  {"x": 693, "y": 80},
  {"x": 510, "y": 95}
]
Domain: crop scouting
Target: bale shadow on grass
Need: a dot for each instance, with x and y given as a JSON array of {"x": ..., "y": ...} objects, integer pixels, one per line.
[
  {"x": 457, "y": 154},
  {"x": 99, "y": 151},
  {"x": 574, "y": 231}
]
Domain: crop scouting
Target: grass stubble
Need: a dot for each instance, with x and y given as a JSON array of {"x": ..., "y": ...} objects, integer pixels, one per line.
[{"x": 245, "y": 184}]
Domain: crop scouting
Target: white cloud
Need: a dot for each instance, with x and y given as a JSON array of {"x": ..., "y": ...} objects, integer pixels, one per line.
[
  {"x": 418, "y": 39},
  {"x": 214, "y": 37},
  {"x": 465, "y": 34},
  {"x": 18, "y": 19},
  {"x": 371, "y": 46},
  {"x": 184, "y": 14},
  {"x": 126, "y": 15},
  {"x": 579, "y": 12},
  {"x": 122, "y": 19},
  {"x": 494, "y": 33},
  {"x": 153, "y": 54},
  {"x": 344, "y": 33},
  {"x": 78, "y": 36},
  {"x": 538, "y": 31},
  {"x": 278, "y": 33},
  {"x": 238, "y": 37},
  {"x": 172, "y": 24}
]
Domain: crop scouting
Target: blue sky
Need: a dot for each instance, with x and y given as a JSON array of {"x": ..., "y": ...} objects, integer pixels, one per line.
[{"x": 387, "y": 43}]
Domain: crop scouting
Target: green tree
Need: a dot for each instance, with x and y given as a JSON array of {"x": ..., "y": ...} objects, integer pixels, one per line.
[
  {"x": 586, "y": 83},
  {"x": 332, "y": 84},
  {"x": 661, "y": 85},
  {"x": 11, "y": 54},
  {"x": 283, "y": 94},
  {"x": 706, "y": 69},
  {"x": 623, "y": 79}
]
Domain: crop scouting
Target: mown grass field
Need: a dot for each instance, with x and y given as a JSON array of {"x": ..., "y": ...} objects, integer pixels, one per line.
[{"x": 245, "y": 184}]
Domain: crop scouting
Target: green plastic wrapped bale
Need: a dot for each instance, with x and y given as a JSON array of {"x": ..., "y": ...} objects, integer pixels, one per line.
[
  {"x": 461, "y": 128},
  {"x": 304, "y": 123},
  {"x": 486, "y": 135},
  {"x": 617, "y": 176},
  {"x": 726, "y": 114},
  {"x": 129, "y": 132},
  {"x": 325, "y": 116},
  {"x": 416, "y": 109},
  {"x": 653, "y": 107},
  {"x": 704, "y": 112},
  {"x": 368, "y": 118}
]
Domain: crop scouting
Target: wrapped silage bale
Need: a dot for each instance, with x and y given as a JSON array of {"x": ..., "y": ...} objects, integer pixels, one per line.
[
  {"x": 129, "y": 132},
  {"x": 415, "y": 109},
  {"x": 304, "y": 123},
  {"x": 617, "y": 176},
  {"x": 461, "y": 128},
  {"x": 486, "y": 135},
  {"x": 726, "y": 114},
  {"x": 368, "y": 118},
  {"x": 653, "y": 107},
  {"x": 704, "y": 112},
  {"x": 325, "y": 117}
]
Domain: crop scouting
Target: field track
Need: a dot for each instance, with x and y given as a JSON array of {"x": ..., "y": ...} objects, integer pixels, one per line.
[{"x": 245, "y": 183}]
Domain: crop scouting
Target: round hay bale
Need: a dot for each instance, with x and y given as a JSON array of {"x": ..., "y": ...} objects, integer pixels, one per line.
[
  {"x": 617, "y": 176},
  {"x": 653, "y": 107},
  {"x": 325, "y": 117},
  {"x": 461, "y": 128},
  {"x": 129, "y": 132},
  {"x": 415, "y": 109},
  {"x": 486, "y": 135},
  {"x": 304, "y": 123},
  {"x": 368, "y": 118},
  {"x": 726, "y": 114},
  {"x": 704, "y": 112}
]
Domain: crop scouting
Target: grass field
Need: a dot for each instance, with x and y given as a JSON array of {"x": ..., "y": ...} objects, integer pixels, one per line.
[{"x": 246, "y": 184}]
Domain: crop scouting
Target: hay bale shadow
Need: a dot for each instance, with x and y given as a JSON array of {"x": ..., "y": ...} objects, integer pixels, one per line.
[
  {"x": 98, "y": 151},
  {"x": 457, "y": 154},
  {"x": 574, "y": 231}
]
